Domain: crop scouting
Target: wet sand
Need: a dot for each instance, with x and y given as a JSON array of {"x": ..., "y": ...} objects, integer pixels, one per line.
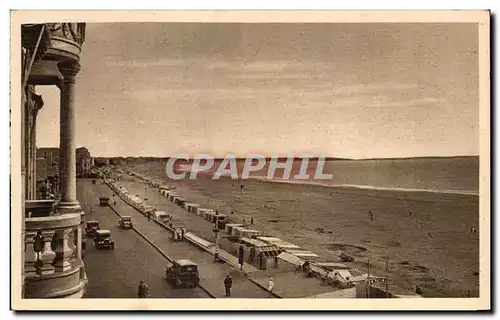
[{"x": 425, "y": 236}]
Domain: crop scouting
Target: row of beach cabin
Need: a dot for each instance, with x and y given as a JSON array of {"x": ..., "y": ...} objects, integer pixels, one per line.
[{"x": 260, "y": 250}]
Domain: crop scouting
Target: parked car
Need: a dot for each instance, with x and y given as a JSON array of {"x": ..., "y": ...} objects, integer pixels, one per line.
[
  {"x": 125, "y": 222},
  {"x": 92, "y": 227},
  {"x": 162, "y": 216},
  {"x": 182, "y": 273},
  {"x": 103, "y": 240}
]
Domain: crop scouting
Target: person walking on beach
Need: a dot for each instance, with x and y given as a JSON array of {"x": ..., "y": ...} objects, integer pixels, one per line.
[
  {"x": 473, "y": 230},
  {"x": 270, "y": 286},
  {"x": 142, "y": 290},
  {"x": 228, "y": 283},
  {"x": 370, "y": 214}
]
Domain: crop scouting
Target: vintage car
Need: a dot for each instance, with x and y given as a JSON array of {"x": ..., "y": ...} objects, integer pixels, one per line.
[
  {"x": 182, "y": 273},
  {"x": 162, "y": 216},
  {"x": 103, "y": 201},
  {"x": 102, "y": 239},
  {"x": 92, "y": 227},
  {"x": 125, "y": 222}
]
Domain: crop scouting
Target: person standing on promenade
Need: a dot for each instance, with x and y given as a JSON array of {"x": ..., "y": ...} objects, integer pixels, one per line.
[
  {"x": 241, "y": 254},
  {"x": 228, "y": 283},
  {"x": 270, "y": 286},
  {"x": 142, "y": 290}
]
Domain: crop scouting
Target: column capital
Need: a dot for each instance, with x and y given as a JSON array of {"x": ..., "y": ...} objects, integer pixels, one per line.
[{"x": 69, "y": 69}]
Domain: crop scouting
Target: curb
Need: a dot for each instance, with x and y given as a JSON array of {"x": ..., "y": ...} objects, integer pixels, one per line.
[
  {"x": 259, "y": 285},
  {"x": 170, "y": 259}
]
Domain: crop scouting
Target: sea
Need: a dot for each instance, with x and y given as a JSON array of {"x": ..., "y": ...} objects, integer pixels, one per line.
[{"x": 455, "y": 175}]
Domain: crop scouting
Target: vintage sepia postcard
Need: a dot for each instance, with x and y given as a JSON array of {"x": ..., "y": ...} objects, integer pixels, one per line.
[{"x": 250, "y": 160}]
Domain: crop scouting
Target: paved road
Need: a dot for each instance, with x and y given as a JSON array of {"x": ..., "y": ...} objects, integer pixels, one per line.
[
  {"x": 197, "y": 224},
  {"x": 116, "y": 274},
  {"x": 211, "y": 274}
]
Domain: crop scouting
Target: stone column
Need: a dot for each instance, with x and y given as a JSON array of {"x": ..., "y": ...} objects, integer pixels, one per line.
[
  {"x": 33, "y": 158},
  {"x": 27, "y": 143},
  {"x": 67, "y": 148}
]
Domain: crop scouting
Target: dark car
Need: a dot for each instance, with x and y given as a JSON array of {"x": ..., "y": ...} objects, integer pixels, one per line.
[
  {"x": 92, "y": 227},
  {"x": 103, "y": 240},
  {"x": 103, "y": 201},
  {"x": 183, "y": 273},
  {"x": 125, "y": 222}
]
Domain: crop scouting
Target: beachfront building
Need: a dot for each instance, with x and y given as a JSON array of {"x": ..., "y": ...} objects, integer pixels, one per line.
[
  {"x": 47, "y": 172},
  {"x": 84, "y": 162},
  {"x": 51, "y": 260}
]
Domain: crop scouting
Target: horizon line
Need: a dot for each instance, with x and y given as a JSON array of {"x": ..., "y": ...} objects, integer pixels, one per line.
[{"x": 281, "y": 157}]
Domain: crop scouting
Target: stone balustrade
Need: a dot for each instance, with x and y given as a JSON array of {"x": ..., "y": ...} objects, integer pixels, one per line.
[{"x": 53, "y": 267}]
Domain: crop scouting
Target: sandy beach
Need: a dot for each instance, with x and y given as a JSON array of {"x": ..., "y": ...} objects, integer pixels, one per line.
[{"x": 425, "y": 236}]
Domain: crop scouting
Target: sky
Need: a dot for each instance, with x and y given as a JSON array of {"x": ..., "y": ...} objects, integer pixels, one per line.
[{"x": 350, "y": 90}]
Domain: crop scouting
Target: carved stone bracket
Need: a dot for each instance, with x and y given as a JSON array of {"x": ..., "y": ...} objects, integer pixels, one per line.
[
  {"x": 69, "y": 69},
  {"x": 71, "y": 31},
  {"x": 66, "y": 41}
]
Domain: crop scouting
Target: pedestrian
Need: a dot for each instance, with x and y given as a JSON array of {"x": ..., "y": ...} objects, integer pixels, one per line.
[
  {"x": 418, "y": 291},
  {"x": 270, "y": 286},
  {"x": 370, "y": 214},
  {"x": 142, "y": 290},
  {"x": 241, "y": 254},
  {"x": 228, "y": 283}
]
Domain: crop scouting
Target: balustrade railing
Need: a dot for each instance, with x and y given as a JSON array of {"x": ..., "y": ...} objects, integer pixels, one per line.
[{"x": 53, "y": 267}]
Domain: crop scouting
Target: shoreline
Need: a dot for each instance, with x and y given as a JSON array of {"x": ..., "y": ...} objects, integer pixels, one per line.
[
  {"x": 458, "y": 193},
  {"x": 368, "y": 188}
]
